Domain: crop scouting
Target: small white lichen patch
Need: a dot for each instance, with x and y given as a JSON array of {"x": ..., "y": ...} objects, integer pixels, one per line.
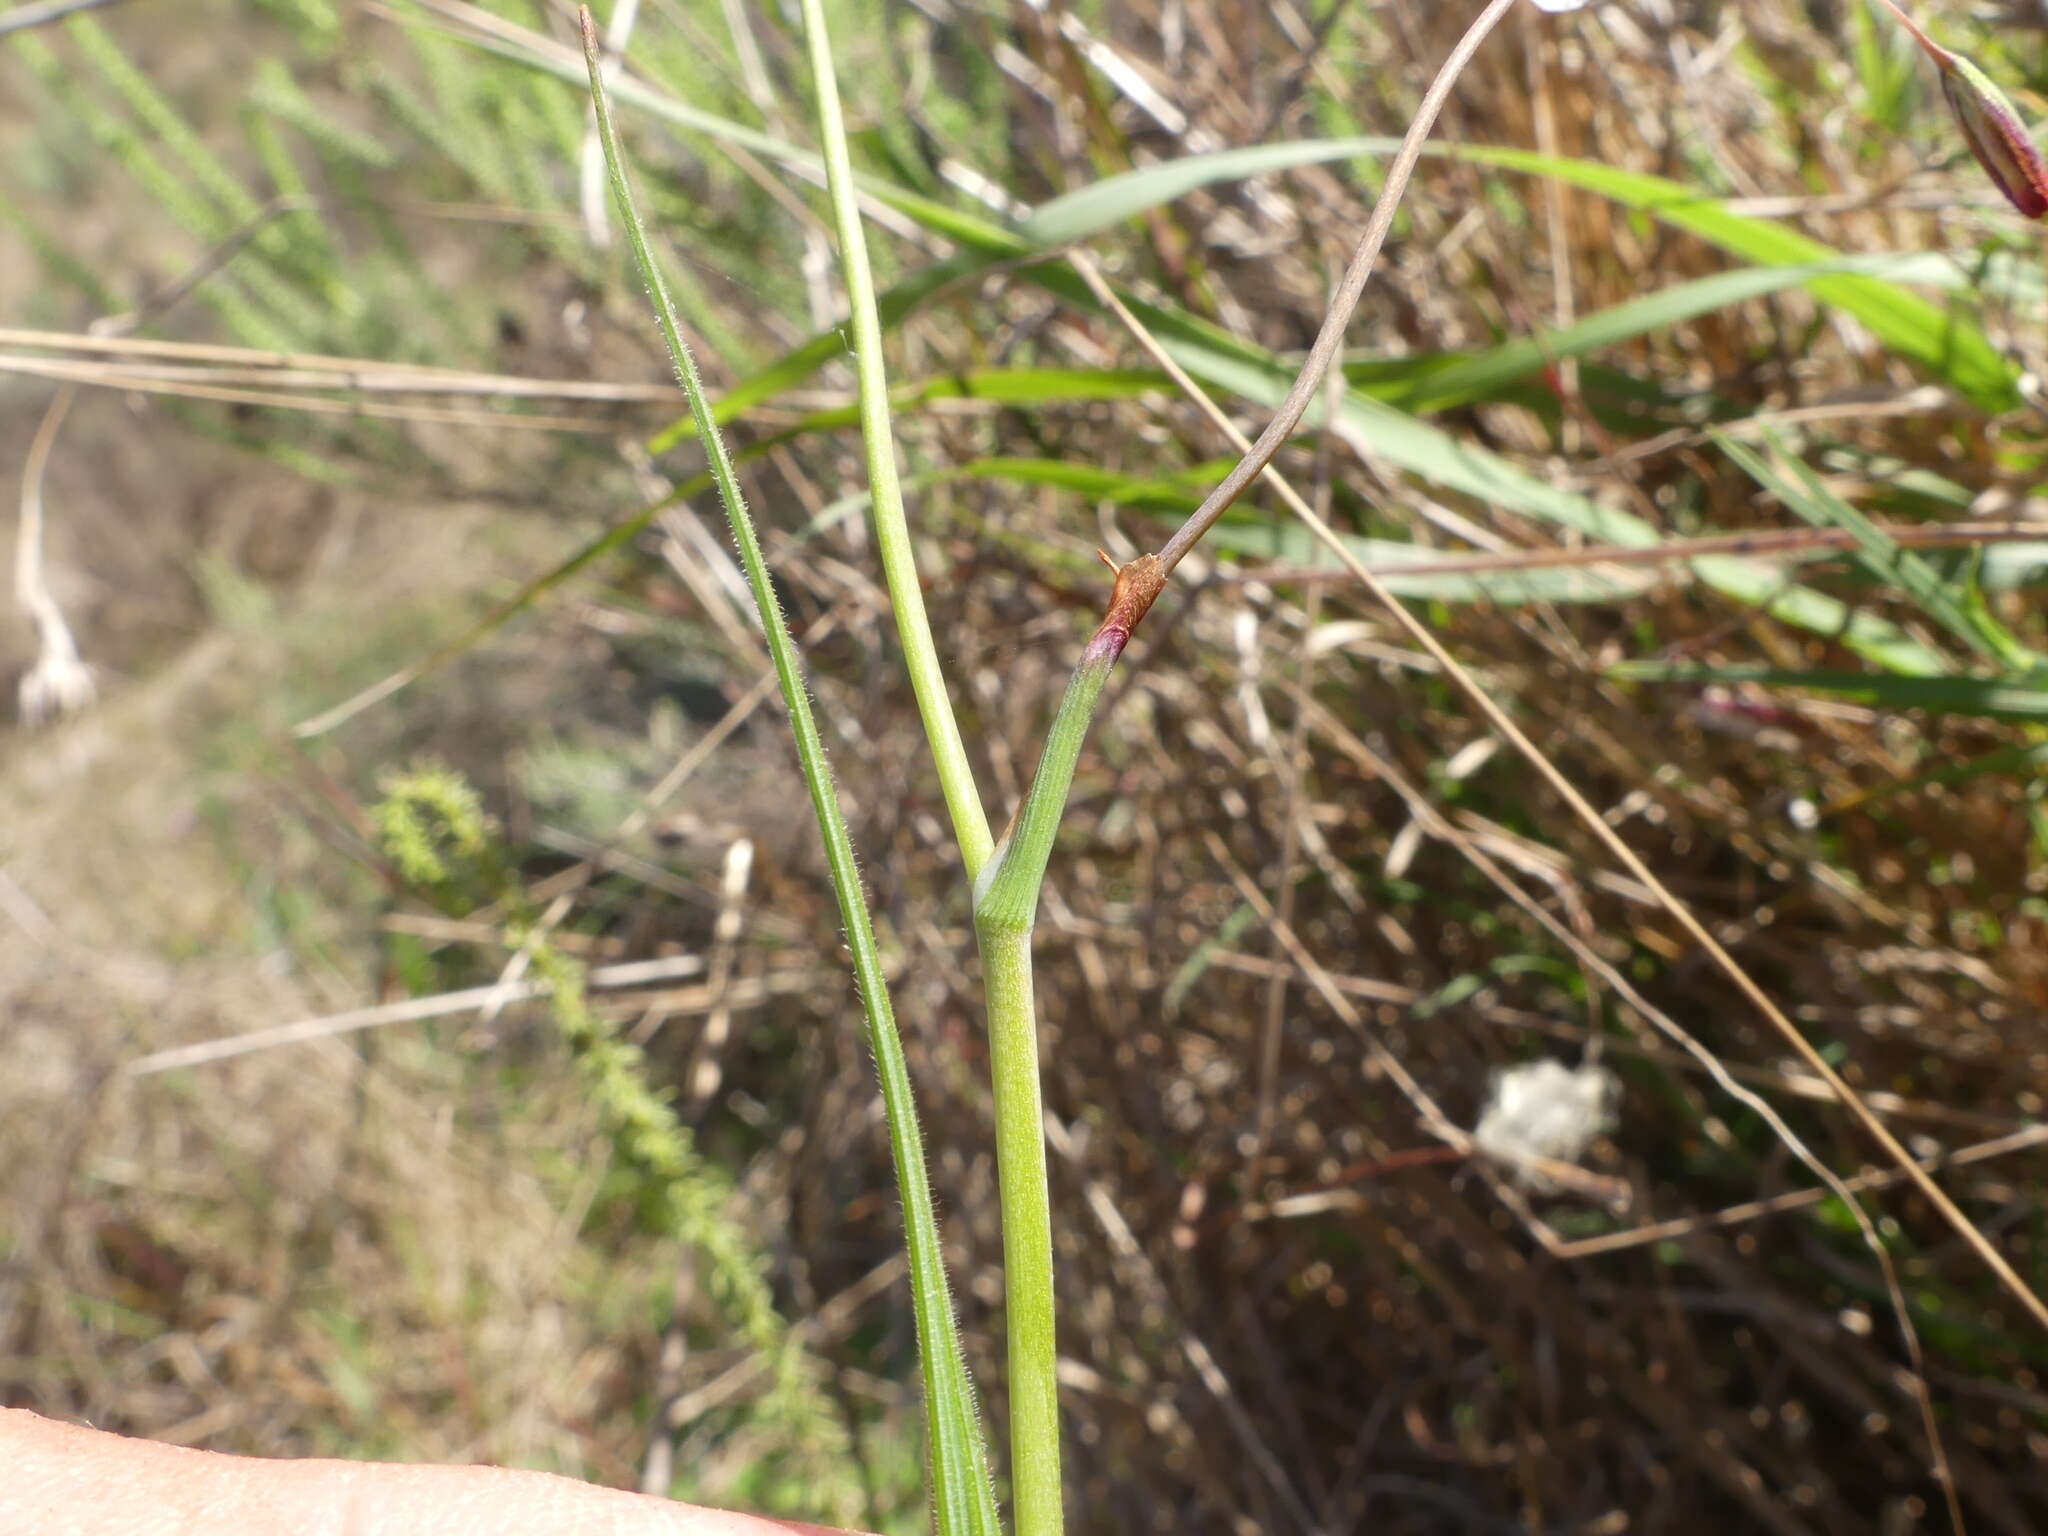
[{"x": 1545, "y": 1112}]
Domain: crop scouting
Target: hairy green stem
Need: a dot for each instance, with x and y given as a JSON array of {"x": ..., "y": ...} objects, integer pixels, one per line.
[
  {"x": 961, "y": 1491},
  {"x": 892, "y": 529},
  {"x": 1004, "y": 930}
]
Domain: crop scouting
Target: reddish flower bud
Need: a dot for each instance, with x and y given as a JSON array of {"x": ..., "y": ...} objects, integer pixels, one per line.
[{"x": 1997, "y": 135}]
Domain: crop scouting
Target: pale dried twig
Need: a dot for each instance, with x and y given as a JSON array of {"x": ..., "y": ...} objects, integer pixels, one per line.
[{"x": 631, "y": 974}]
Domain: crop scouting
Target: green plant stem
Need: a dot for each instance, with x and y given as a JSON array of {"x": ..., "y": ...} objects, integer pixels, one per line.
[
  {"x": 892, "y": 529},
  {"x": 1006, "y": 894},
  {"x": 1003, "y": 925},
  {"x": 1006, "y": 903},
  {"x": 1028, "y": 1304},
  {"x": 1002, "y": 922},
  {"x": 961, "y": 1492}
]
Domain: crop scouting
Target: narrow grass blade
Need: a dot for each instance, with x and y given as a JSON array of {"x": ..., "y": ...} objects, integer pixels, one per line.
[
  {"x": 1103, "y": 204},
  {"x": 1005, "y": 386},
  {"x": 1937, "y": 695},
  {"x": 1202, "y": 956},
  {"x": 800, "y": 362},
  {"x": 1463, "y": 380},
  {"x": 1423, "y": 384},
  {"x": 1804, "y": 493},
  {"x": 1944, "y": 341},
  {"x": 2024, "y": 759},
  {"x": 1289, "y": 542},
  {"x": 1947, "y": 343},
  {"x": 1396, "y": 438},
  {"x": 1180, "y": 492},
  {"x": 520, "y": 45},
  {"x": 1259, "y": 536},
  {"x": 961, "y": 1491}
]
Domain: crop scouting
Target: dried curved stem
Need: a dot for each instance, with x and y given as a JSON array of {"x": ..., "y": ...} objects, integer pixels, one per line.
[{"x": 1344, "y": 301}]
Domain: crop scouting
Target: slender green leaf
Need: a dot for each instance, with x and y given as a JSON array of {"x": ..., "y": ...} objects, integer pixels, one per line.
[
  {"x": 1393, "y": 437},
  {"x": 1385, "y": 557},
  {"x": 1000, "y": 386},
  {"x": 2021, "y": 758},
  {"x": 798, "y": 364},
  {"x": 1938, "y": 695},
  {"x": 1460, "y": 381},
  {"x": 1881, "y": 555},
  {"x": 1182, "y": 490},
  {"x": 1103, "y": 204},
  {"x": 962, "y": 1493},
  {"x": 530, "y": 49},
  {"x": 1203, "y": 955},
  {"x": 1947, "y": 342}
]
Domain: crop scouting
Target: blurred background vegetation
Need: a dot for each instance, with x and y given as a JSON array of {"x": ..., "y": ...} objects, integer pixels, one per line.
[{"x": 419, "y": 441}]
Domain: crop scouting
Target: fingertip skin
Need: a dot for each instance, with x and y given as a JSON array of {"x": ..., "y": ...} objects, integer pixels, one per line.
[{"x": 64, "y": 1480}]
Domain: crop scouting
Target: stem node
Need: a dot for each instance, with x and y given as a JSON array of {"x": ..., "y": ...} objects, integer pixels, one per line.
[{"x": 1138, "y": 585}]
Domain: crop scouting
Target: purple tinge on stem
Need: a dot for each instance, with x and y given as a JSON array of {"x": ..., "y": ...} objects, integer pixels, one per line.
[
  {"x": 1138, "y": 584},
  {"x": 1106, "y": 644}
]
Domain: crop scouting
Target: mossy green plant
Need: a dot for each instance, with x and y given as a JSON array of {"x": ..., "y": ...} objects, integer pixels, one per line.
[{"x": 432, "y": 824}]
